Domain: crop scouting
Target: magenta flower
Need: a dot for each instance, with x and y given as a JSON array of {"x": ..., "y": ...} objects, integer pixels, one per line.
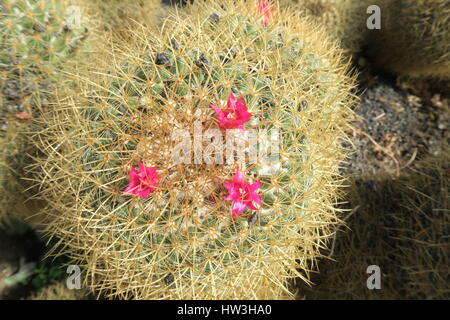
[
  {"x": 243, "y": 194},
  {"x": 142, "y": 183},
  {"x": 265, "y": 11},
  {"x": 235, "y": 115}
]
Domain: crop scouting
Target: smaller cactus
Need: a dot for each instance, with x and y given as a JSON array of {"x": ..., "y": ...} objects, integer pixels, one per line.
[
  {"x": 344, "y": 19},
  {"x": 59, "y": 291},
  {"x": 414, "y": 39},
  {"x": 37, "y": 35},
  {"x": 119, "y": 18},
  {"x": 36, "y": 38},
  {"x": 422, "y": 228},
  {"x": 399, "y": 225}
]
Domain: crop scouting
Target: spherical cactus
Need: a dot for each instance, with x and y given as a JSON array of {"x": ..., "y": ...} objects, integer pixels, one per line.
[
  {"x": 414, "y": 38},
  {"x": 119, "y": 18},
  {"x": 197, "y": 220},
  {"x": 345, "y": 20},
  {"x": 398, "y": 225},
  {"x": 36, "y": 37}
]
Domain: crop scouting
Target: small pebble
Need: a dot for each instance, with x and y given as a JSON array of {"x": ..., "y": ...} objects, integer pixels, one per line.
[
  {"x": 214, "y": 17},
  {"x": 304, "y": 105},
  {"x": 161, "y": 58},
  {"x": 202, "y": 62},
  {"x": 38, "y": 28},
  {"x": 174, "y": 44}
]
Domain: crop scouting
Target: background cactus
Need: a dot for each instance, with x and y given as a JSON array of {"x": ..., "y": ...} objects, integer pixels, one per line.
[
  {"x": 182, "y": 242},
  {"x": 414, "y": 38},
  {"x": 59, "y": 291},
  {"x": 345, "y": 20},
  {"x": 405, "y": 237},
  {"x": 118, "y": 18},
  {"x": 36, "y": 37}
]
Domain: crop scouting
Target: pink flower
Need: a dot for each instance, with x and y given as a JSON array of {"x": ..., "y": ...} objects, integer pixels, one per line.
[
  {"x": 243, "y": 194},
  {"x": 235, "y": 115},
  {"x": 142, "y": 183},
  {"x": 265, "y": 11}
]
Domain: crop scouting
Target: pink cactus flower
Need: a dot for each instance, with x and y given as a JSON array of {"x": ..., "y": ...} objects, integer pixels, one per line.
[
  {"x": 142, "y": 183},
  {"x": 265, "y": 11},
  {"x": 243, "y": 194},
  {"x": 236, "y": 114}
]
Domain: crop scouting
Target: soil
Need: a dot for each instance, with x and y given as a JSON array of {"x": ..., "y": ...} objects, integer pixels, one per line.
[{"x": 397, "y": 121}]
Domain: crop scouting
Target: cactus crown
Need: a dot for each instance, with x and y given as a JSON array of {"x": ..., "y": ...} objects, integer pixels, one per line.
[{"x": 182, "y": 241}]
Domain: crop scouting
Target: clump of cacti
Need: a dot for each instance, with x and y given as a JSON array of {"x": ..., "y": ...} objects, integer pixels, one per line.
[
  {"x": 399, "y": 225},
  {"x": 137, "y": 187},
  {"x": 36, "y": 37},
  {"x": 345, "y": 20},
  {"x": 414, "y": 39}
]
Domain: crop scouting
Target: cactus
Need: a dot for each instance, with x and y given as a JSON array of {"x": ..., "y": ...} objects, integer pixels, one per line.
[
  {"x": 182, "y": 241},
  {"x": 423, "y": 247},
  {"x": 345, "y": 20},
  {"x": 59, "y": 291},
  {"x": 118, "y": 18},
  {"x": 414, "y": 39},
  {"x": 36, "y": 37},
  {"x": 401, "y": 226}
]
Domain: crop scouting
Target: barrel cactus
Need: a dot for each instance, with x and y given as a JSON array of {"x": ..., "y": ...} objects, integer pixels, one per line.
[
  {"x": 405, "y": 237},
  {"x": 35, "y": 38},
  {"x": 118, "y": 18},
  {"x": 345, "y": 20},
  {"x": 425, "y": 218},
  {"x": 414, "y": 39},
  {"x": 138, "y": 187}
]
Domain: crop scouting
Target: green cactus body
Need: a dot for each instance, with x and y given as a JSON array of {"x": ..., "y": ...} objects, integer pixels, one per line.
[
  {"x": 39, "y": 34},
  {"x": 182, "y": 241},
  {"x": 36, "y": 38}
]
